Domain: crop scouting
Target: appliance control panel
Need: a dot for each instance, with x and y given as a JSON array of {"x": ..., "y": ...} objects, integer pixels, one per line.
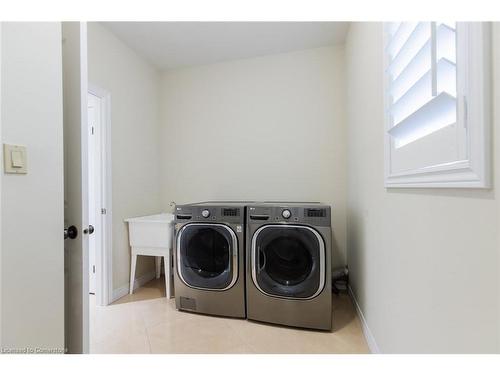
[
  {"x": 314, "y": 215},
  {"x": 230, "y": 214}
]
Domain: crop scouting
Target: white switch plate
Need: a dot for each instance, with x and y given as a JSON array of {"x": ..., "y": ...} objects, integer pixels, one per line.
[{"x": 14, "y": 159}]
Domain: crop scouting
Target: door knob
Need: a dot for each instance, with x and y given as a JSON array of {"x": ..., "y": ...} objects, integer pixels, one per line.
[
  {"x": 71, "y": 232},
  {"x": 89, "y": 230}
]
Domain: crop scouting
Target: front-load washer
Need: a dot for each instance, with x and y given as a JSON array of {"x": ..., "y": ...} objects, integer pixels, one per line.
[
  {"x": 209, "y": 252},
  {"x": 289, "y": 264}
]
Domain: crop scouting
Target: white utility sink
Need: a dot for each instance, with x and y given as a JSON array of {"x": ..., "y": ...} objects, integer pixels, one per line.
[
  {"x": 151, "y": 231},
  {"x": 152, "y": 236}
]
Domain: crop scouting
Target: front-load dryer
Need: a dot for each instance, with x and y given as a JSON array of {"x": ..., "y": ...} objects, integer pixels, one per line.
[
  {"x": 289, "y": 264},
  {"x": 209, "y": 275}
]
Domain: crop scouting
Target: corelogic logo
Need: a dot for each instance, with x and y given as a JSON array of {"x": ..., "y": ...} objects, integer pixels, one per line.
[{"x": 29, "y": 350}]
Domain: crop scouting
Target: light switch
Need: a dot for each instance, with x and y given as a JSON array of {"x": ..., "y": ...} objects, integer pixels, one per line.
[{"x": 14, "y": 159}]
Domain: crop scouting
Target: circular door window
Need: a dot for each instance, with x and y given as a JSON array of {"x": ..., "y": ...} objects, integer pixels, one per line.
[
  {"x": 288, "y": 261},
  {"x": 205, "y": 256}
]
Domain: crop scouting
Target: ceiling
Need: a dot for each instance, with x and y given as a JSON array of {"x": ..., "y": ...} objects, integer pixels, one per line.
[{"x": 169, "y": 45}]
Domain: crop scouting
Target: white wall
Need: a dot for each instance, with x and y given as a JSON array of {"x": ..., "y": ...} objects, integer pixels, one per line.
[
  {"x": 496, "y": 121},
  {"x": 267, "y": 128},
  {"x": 32, "y": 257},
  {"x": 424, "y": 263},
  {"x": 135, "y": 90}
]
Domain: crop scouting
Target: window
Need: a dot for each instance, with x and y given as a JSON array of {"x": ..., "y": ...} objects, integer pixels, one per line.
[{"x": 437, "y": 99}]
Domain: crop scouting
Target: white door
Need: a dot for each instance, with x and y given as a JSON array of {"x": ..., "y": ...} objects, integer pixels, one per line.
[
  {"x": 75, "y": 185},
  {"x": 93, "y": 125},
  {"x": 95, "y": 191}
]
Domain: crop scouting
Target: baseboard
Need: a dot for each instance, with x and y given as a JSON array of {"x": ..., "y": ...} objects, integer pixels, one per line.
[
  {"x": 370, "y": 340},
  {"x": 140, "y": 281}
]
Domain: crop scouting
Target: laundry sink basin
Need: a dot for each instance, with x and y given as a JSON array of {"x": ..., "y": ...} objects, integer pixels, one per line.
[
  {"x": 152, "y": 236},
  {"x": 154, "y": 231}
]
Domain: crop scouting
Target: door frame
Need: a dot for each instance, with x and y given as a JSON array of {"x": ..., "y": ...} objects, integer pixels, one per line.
[
  {"x": 104, "y": 257},
  {"x": 1, "y": 177}
]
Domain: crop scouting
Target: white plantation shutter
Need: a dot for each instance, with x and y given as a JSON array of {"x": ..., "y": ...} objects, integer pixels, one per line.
[
  {"x": 435, "y": 72},
  {"x": 422, "y": 74}
]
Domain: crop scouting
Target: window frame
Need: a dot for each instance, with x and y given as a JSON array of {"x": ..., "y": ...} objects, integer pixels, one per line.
[{"x": 474, "y": 113}]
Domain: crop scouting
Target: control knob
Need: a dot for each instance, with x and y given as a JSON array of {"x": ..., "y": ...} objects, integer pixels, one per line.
[
  {"x": 205, "y": 213},
  {"x": 286, "y": 214}
]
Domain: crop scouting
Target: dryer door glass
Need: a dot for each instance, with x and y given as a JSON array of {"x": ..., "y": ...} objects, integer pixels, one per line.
[
  {"x": 207, "y": 256},
  {"x": 288, "y": 261}
]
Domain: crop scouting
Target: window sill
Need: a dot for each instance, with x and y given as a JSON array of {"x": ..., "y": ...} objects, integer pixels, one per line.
[{"x": 460, "y": 174}]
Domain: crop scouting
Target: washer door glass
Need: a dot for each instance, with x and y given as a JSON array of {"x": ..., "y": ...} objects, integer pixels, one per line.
[
  {"x": 288, "y": 261},
  {"x": 206, "y": 256}
]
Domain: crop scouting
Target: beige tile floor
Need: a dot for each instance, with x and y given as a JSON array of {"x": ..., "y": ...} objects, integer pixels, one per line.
[{"x": 146, "y": 322}]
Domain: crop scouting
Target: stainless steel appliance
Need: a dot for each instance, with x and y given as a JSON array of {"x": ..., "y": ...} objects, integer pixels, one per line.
[
  {"x": 209, "y": 257},
  {"x": 288, "y": 264}
]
